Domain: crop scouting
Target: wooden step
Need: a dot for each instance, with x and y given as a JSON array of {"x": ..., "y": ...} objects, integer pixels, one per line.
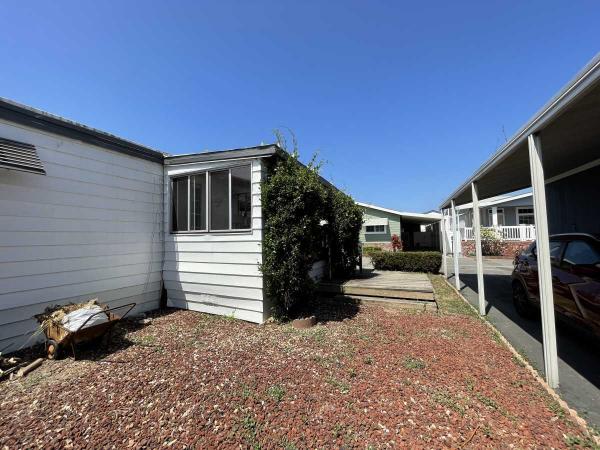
[
  {"x": 373, "y": 291},
  {"x": 398, "y": 302}
]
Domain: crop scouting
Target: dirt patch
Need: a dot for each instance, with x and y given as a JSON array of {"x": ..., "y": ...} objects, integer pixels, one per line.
[{"x": 378, "y": 376}]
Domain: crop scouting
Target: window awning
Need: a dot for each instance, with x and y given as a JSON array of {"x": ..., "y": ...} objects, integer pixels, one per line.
[
  {"x": 20, "y": 156},
  {"x": 376, "y": 221}
]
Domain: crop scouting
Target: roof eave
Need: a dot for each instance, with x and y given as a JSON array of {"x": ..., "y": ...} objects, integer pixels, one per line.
[
  {"x": 44, "y": 121},
  {"x": 572, "y": 90}
]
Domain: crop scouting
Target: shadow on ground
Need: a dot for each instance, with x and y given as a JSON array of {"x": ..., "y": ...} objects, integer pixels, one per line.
[{"x": 576, "y": 347}]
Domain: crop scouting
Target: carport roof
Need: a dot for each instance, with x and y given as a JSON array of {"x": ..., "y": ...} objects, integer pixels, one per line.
[
  {"x": 570, "y": 136},
  {"x": 412, "y": 217}
]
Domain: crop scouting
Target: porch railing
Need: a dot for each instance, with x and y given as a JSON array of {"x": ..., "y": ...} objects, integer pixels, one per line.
[{"x": 507, "y": 233}]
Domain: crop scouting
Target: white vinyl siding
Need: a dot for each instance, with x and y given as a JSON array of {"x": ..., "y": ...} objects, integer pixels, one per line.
[
  {"x": 216, "y": 272},
  {"x": 91, "y": 227}
]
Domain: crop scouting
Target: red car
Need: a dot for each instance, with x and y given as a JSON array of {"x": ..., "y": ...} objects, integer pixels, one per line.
[{"x": 575, "y": 259}]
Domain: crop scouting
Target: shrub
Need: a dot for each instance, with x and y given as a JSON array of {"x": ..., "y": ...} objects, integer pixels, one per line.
[
  {"x": 370, "y": 250},
  {"x": 491, "y": 243},
  {"x": 345, "y": 219},
  {"x": 408, "y": 261},
  {"x": 396, "y": 243},
  {"x": 295, "y": 201}
]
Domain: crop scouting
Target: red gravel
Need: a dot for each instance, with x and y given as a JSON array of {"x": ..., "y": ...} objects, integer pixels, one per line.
[{"x": 382, "y": 377}]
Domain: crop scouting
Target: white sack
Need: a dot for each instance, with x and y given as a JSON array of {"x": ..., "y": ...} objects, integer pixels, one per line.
[{"x": 75, "y": 319}]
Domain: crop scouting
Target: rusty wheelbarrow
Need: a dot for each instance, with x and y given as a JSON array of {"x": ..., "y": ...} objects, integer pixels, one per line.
[{"x": 58, "y": 337}]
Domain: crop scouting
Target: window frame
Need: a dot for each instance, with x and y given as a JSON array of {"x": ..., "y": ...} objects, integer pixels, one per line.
[
  {"x": 499, "y": 212},
  {"x": 208, "y": 229},
  {"x": 376, "y": 232},
  {"x": 519, "y": 214}
]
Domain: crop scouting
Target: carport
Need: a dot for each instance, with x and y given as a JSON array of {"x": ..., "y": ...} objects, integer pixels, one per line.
[{"x": 557, "y": 153}]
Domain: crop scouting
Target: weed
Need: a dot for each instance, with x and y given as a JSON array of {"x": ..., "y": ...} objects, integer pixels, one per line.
[
  {"x": 572, "y": 441},
  {"x": 448, "y": 300},
  {"x": 556, "y": 409},
  {"x": 490, "y": 403},
  {"x": 497, "y": 338},
  {"x": 487, "y": 431},
  {"x": 352, "y": 372},
  {"x": 276, "y": 392},
  {"x": 447, "y": 400},
  {"x": 341, "y": 386},
  {"x": 319, "y": 335},
  {"x": 518, "y": 383},
  {"x": 246, "y": 392},
  {"x": 369, "y": 360},
  {"x": 250, "y": 430},
  {"x": 337, "y": 430},
  {"x": 518, "y": 361},
  {"x": 287, "y": 445},
  {"x": 147, "y": 340},
  {"x": 470, "y": 382},
  {"x": 414, "y": 363}
]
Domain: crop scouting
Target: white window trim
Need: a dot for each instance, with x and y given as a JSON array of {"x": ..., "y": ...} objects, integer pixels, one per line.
[
  {"x": 376, "y": 232},
  {"x": 499, "y": 212},
  {"x": 519, "y": 214},
  {"x": 208, "y": 229}
]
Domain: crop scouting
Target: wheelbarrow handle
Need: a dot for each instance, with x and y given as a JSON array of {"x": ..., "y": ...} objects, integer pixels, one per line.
[{"x": 105, "y": 311}]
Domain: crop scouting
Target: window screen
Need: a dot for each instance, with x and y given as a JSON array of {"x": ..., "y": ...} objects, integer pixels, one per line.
[
  {"x": 219, "y": 200},
  {"x": 226, "y": 194},
  {"x": 179, "y": 204},
  {"x": 240, "y": 198},
  {"x": 198, "y": 202}
]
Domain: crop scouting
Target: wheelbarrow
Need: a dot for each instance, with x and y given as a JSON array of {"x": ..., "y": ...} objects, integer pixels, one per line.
[{"x": 58, "y": 337}]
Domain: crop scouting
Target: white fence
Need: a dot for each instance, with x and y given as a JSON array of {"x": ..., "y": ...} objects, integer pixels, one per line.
[{"x": 507, "y": 233}]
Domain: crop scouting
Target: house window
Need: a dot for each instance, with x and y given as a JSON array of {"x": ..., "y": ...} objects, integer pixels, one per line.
[
  {"x": 375, "y": 229},
  {"x": 525, "y": 216},
  {"x": 217, "y": 200},
  {"x": 499, "y": 213}
]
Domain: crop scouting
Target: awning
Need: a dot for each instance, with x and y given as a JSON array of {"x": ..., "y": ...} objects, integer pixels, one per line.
[
  {"x": 569, "y": 133},
  {"x": 376, "y": 221},
  {"x": 20, "y": 156}
]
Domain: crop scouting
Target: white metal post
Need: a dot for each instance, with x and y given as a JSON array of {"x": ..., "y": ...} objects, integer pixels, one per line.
[
  {"x": 455, "y": 245},
  {"x": 543, "y": 260},
  {"x": 444, "y": 246},
  {"x": 478, "y": 252}
]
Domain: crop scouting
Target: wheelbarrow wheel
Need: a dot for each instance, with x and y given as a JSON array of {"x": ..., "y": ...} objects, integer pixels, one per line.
[{"x": 52, "y": 349}]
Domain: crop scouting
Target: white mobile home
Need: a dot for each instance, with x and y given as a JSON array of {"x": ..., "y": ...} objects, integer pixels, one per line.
[
  {"x": 86, "y": 214},
  {"x": 213, "y": 232}
]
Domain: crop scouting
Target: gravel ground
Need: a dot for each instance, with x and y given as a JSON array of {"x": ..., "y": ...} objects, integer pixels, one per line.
[{"x": 367, "y": 376}]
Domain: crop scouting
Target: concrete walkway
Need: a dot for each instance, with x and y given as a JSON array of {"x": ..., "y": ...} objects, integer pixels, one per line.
[{"x": 579, "y": 355}]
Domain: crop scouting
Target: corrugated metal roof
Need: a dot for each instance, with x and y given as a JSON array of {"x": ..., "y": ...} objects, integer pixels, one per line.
[
  {"x": 222, "y": 155},
  {"x": 585, "y": 80},
  {"x": 20, "y": 156},
  {"x": 42, "y": 120}
]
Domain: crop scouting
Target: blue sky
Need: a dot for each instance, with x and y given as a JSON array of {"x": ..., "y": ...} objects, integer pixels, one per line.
[{"x": 403, "y": 100}]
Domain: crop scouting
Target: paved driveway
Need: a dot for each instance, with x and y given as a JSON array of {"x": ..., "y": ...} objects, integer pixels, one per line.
[{"x": 579, "y": 357}]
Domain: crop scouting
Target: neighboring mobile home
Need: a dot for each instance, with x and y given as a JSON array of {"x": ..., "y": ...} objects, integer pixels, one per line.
[
  {"x": 85, "y": 214},
  {"x": 380, "y": 224},
  {"x": 511, "y": 215}
]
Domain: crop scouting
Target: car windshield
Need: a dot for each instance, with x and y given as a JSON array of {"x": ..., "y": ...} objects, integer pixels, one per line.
[{"x": 580, "y": 253}]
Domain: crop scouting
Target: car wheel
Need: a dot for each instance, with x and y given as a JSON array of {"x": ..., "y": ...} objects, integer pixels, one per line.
[{"x": 521, "y": 301}]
